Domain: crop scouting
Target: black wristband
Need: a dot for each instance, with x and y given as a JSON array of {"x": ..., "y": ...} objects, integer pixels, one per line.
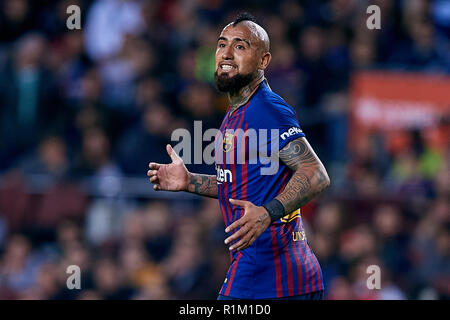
[{"x": 275, "y": 209}]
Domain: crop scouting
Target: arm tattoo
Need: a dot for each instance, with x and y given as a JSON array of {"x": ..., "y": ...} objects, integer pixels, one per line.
[
  {"x": 298, "y": 152},
  {"x": 310, "y": 177},
  {"x": 204, "y": 185}
]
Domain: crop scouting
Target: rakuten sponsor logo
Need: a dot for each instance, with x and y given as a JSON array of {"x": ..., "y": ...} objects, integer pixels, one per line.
[{"x": 223, "y": 175}]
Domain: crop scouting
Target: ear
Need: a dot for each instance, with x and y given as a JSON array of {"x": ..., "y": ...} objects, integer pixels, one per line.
[{"x": 265, "y": 60}]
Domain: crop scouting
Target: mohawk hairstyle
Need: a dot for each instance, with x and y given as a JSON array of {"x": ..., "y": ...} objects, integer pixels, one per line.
[{"x": 244, "y": 16}]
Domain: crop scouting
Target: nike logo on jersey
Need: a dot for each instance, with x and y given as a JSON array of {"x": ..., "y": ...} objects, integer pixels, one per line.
[{"x": 290, "y": 132}]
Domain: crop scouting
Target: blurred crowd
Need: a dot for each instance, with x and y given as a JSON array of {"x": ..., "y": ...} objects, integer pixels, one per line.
[{"x": 83, "y": 112}]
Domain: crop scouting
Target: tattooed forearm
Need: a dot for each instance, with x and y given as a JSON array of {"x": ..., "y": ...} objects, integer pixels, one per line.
[
  {"x": 302, "y": 187},
  {"x": 310, "y": 177},
  {"x": 204, "y": 185}
]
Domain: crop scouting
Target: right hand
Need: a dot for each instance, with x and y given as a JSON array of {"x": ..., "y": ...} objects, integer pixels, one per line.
[{"x": 170, "y": 177}]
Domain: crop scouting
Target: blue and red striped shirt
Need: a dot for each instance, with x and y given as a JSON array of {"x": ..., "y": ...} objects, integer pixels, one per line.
[{"x": 280, "y": 262}]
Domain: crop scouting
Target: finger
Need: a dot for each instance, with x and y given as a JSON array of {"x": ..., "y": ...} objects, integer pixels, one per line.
[
  {"x": 236, "y": 224},
  {"x": 154, "y": 165},
  {"x": 152, "y": 172},
  {"x": 238, "y": 234},
  {"x": 154, "y": 179},
  {"x": 241, "y": 203},
  {"x": 243, "y": 243},
  {"x": 173, "y": 155},
  {"x": 248, "y": 244},
  {"x": 156, "y": 187},
  {"x": 238, "y": 245}
]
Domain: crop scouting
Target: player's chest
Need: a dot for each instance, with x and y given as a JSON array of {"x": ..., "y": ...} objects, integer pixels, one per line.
[{"x": 231, "y": 137}]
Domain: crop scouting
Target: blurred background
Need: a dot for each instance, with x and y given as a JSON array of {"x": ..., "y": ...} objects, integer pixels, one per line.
[{"x": 83, "y": 112}]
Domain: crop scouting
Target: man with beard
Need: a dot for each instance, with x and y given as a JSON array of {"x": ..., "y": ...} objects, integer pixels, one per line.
[{"x": 270, "y": 255}]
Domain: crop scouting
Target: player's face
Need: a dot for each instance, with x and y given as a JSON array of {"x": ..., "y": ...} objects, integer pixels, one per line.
[{"x": 237, "y": 54}]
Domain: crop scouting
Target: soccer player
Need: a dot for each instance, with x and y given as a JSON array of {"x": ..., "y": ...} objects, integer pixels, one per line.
[{"x": 270, "y": 255}]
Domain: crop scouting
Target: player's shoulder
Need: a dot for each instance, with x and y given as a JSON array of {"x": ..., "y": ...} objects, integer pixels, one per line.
[{"x": 270, "y": 102}]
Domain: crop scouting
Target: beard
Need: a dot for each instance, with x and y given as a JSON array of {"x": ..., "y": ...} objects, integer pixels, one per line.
[{"x": 232, "y": 85}]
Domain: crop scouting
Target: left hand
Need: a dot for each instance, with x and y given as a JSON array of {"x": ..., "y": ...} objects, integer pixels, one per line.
[{"x": 254, "y": 221}]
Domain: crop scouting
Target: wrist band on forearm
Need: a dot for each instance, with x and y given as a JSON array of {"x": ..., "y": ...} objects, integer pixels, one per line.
[{"x": 275, "y": 209}]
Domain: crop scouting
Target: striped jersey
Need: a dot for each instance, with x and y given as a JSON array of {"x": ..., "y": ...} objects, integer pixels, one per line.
[{"x": 279, "y": 263}]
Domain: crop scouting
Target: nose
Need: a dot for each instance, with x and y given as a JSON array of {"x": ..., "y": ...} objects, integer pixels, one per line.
[{"x": 227, "y": 53}]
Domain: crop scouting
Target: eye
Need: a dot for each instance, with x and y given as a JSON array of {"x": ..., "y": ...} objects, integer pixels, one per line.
[
  {"x": 240, "y": 47},
  {"x": 221, "y": 45}
]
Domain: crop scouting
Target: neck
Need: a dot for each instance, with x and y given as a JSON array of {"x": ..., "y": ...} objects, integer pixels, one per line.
[{"x": 243, "y": 95}]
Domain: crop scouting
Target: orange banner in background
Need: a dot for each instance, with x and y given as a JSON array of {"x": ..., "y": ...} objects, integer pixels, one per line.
[{"x": 391, "y": 102}]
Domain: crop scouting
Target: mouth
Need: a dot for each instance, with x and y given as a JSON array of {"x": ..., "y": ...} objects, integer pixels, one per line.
[{"x": 226, "y": 66}]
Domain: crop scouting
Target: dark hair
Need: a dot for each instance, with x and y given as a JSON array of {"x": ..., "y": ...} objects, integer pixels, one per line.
[{"x": 244, "y": 16}]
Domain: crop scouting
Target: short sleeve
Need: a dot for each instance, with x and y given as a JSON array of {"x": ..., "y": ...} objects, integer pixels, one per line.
[{"x": 281, "y": 119}]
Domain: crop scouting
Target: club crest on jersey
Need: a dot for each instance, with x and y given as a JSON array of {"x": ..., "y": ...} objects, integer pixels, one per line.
[{"x": 227, "y": 141}]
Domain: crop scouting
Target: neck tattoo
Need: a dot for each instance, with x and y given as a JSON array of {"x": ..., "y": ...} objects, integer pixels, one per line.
[{"x": 245, "y": 93}]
